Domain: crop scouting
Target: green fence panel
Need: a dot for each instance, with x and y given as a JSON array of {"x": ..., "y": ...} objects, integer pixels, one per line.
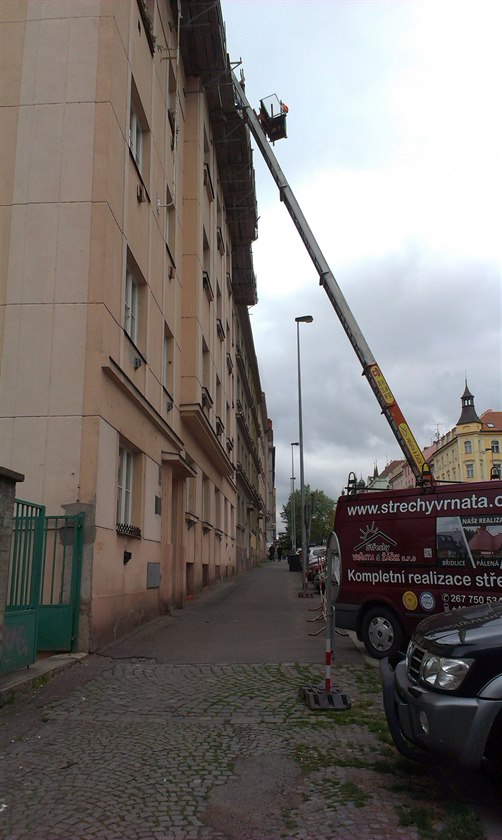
[
  {"x": 60, "y": 590},
  {"x": 19, "y": 646}
]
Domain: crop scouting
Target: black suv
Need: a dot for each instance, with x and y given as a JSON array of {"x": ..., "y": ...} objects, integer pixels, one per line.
[{"x": 445, "y": 698}]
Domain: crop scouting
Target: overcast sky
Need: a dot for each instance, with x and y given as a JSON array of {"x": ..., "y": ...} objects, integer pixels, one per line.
[{"x": 394, "y": 154}]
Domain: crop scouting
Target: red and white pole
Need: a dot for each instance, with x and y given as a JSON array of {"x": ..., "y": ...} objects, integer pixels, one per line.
[{"x": 327, "y": 671}]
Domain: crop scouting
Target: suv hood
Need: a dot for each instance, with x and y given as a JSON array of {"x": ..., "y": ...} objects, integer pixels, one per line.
[{"x": 480, "y": 625}]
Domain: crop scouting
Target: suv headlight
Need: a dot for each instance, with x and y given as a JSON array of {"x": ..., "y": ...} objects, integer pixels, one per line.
[{"x": 441, "y": 672}]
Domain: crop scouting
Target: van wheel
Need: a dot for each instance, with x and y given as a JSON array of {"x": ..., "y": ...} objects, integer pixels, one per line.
[{"x": 381, "y": 632}]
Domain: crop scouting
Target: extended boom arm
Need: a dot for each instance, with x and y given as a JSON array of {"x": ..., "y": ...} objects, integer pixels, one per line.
[{"x": 371, "y": 370}]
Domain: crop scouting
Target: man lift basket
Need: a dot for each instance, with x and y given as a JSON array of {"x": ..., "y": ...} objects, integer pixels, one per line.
[{"x": 272, "y": 116}]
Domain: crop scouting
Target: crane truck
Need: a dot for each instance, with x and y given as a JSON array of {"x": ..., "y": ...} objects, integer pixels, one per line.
[
  {"x": 272, "y": 125},
  {"x": 398, "y": 555}
]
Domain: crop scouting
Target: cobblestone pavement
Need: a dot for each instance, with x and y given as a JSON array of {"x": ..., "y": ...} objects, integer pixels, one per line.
[{"x": 144, "y": 750}]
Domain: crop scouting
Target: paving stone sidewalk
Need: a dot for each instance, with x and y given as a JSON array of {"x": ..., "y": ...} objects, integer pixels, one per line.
[
  {"x": 138, "y": 752},
  {"x": 211, "y": 751}
]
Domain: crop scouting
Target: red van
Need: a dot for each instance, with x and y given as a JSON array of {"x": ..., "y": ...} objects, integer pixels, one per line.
[{"x": 407, "y": 554}]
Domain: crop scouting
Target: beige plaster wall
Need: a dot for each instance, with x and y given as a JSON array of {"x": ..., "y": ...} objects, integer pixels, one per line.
[{"x": 69, "y": 378}]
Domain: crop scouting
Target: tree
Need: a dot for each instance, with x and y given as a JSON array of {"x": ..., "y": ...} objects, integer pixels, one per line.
[{"x": 321, "y": 509}]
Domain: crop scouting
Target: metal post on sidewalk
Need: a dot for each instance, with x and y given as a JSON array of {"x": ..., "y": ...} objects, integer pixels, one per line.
[
  {"x": 302, "y": 319},
  {"x": 329, "y": 698}
]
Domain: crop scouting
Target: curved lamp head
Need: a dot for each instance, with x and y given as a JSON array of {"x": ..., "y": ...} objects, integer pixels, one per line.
[{"x": 304, "y": 319}]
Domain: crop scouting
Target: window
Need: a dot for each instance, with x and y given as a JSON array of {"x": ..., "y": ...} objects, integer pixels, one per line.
[
  {"x": 166, "y": 359},
  {"x": 495, "y": 446},
  {"x": 208, "y": 181},
  {"x": 170, "y": 225},
  {"x": 131, "y": 305},
  {"x": 190, "y": 499},
  {"x": 136, "y": 138},
  {"x": 467, "y": 447},
  {"x": 134, "y": 303},
  {"x": 470, "y": 470},
  {"x": 124, "y": 487},
  {"x": 207, "y": 495},
  {"x": 147, "y": 11},
  {"x": 138, "y": 132},
  {"x": 217, "y": 509},
  {"x": 171, "y": 111}
]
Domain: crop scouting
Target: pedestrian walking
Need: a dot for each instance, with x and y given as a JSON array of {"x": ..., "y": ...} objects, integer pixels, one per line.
[
  {"x": 279, "y": 552},
  {"x": 271, "y": 552}
]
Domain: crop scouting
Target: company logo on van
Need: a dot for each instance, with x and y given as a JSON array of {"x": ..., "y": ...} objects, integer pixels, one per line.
[
  {"x": 377, "y": 547},
  {"x": 427, "y": 601},
  {"x": 373, "y": 539}
]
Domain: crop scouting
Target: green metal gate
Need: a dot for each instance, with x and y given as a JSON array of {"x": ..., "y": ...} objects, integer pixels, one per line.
[
  {"x": 60, "y": 591},
  {"x": 19, "y": 645},
  {"x": 43, "y": 591}
]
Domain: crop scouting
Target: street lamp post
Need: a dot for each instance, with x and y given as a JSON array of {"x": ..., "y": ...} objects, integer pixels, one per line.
[
  {"x": 293, "y": 510},
  {"x": 494, "y": 471},
  {"x": 302, "y": 319}
]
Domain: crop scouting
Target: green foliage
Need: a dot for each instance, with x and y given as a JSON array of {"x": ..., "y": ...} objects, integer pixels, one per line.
[{"x": 320, "y": 512}]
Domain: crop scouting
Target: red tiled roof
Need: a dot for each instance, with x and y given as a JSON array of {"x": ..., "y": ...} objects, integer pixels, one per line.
[
  {"x": 484, "y": 541},
  {"x": 494, "y": 418},
  {"x": 429, "y": 451},
  {"x": 389, "y": 468}
]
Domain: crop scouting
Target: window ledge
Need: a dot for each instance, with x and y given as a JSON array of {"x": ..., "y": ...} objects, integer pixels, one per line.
[
  {"x": 137, "y": 351},
  {"x": 191, "y": 519}
]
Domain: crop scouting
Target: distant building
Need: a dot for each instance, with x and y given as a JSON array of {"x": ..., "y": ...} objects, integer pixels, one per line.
[
  {"x": 382, "y": 481},
  {"x": 129, "y": 383},
  {"x": 470, "y": 451}
]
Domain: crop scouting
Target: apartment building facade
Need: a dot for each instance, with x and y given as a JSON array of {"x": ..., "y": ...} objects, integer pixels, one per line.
[
  {"x": 472, "y": 450},
  {"x": 129, "y": 387}
]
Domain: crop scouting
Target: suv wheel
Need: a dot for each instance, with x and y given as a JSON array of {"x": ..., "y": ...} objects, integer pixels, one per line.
[
  {"x": 381, "y": 632},
  {"x": 493, "y": 751}
]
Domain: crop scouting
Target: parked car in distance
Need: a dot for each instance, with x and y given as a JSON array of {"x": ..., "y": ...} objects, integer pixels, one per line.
[
  {"x": 316, "y": 558},
  {"x": 445, "y": 699}
]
